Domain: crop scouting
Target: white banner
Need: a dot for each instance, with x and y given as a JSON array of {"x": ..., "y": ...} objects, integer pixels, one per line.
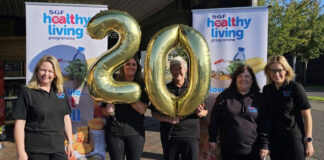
[
  {"x": 230, "y": 32},
  {"x": 234, "y": 36},
  {"x": 60, "y": 30}
]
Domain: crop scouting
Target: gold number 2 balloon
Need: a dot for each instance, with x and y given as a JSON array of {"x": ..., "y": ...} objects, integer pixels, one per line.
[
  {"x": 102, "y": 85},
  {"x": 199, "y": 73}
]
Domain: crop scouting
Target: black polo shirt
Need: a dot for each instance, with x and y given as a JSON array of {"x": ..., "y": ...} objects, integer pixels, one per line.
[
  {"x": 187, "y": 127},
  {"x": 127, "y": 121},
  {"x": 285, "y": 106},
  {"x": 240, "y": 120},
  {"x": 44, "y": 114}
]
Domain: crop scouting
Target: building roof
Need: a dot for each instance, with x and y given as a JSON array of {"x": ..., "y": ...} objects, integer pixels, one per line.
[{"x": 139, "y": 9}]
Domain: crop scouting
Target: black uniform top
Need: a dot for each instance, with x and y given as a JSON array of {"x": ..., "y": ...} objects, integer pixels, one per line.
[
  {"x": 285, "y": 105},
  {"x": 126, "y": 120},
  {"x": 44, "y": 114},
  {"x": 188, "y": 126},
  {"x": 240, "y": 120}
]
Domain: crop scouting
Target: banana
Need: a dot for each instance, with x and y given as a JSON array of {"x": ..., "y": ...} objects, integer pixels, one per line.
[
  {"x": 259, "y": 67},
  {"x": 256, "y": 63}
]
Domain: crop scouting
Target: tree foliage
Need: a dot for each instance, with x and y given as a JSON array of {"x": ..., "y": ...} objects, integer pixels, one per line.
[
  {"x": 295, "y": 28},
  {"x": 314, "y": 47}
]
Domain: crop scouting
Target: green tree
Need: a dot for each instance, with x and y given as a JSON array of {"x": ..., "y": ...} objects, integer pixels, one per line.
[
  {"x": 295, "y": 28},
  {"x": 285, "y": 21},
  {"x": 314, "y": 47},
  {"x": 182, "y": 52}
]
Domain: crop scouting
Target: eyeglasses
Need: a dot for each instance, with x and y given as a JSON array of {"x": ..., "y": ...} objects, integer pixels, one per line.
[
  {"x": 274, "y": 71},
  {"x": 131, "y": 64},
  {"x": 44, "y": 70}
]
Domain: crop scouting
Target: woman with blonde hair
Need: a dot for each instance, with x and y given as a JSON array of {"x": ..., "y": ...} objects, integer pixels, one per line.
[
  {"x": 289, "y": 111},
  {"x": 41, "y": 115}
]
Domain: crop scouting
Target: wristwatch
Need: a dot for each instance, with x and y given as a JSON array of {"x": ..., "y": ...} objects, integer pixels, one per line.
[{"x": 308, "y": 139}]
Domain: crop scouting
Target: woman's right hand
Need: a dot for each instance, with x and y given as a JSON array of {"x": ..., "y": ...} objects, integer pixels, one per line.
[
  {"x": 110, "y": 108},
  {"x": 22, "y": 156}
]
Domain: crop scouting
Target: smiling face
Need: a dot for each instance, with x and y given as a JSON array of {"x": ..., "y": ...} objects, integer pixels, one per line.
[
  {"x": 244, "y": 81},
  {"x": 178, "y": 72},
  {"x": 277, "y": 73},
  {"x": 46, "y": 74},
  {"x": 130, "y": 68}
]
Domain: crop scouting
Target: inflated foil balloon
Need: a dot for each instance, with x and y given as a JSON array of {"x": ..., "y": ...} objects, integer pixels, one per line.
[
  {"x": 102, "y": 85},
  {"x": 199, "y": 78}
]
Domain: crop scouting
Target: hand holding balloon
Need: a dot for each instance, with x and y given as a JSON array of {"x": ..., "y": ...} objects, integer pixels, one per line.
[
  {"x": 199, "y": 78},
  {"x": 110, "y": 108},
  {"x": 102, "y": 85},
  {"x": 201, "y": 111}
]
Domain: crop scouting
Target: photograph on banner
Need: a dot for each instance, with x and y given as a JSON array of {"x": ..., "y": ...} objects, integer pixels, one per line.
[
  {"x": 235, "y": 36},
  {"x": 60, "y": 30}
]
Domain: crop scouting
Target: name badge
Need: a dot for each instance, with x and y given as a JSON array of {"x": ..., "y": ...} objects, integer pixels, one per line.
[
  {"x": 60, "y": 95},
  {"x": 252, "y": 109},
  {"x": 286, "y": 93}
]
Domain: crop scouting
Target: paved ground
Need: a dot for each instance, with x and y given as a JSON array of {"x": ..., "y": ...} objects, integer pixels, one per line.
[
  {"x": 318, "y": 129},
  {"x": 153, "y": 149}
]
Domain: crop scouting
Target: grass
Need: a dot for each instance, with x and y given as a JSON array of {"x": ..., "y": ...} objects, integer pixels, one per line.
[
  {"x": 315, "y": 88},
  {"x": 316, "y": 98}
]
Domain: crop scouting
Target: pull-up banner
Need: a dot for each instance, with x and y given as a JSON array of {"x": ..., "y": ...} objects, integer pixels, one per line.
[
  {"x": 234, "y": 36},
  {"x": 60, "y": 30}
]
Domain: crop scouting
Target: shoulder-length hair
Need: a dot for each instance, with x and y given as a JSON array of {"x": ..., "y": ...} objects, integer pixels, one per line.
[
  {"x": 283, "y": 61},
  {"x": 138, "y": 75},
  {"x": 58, "y": 79},
  {"x": 241, "y": 69}
]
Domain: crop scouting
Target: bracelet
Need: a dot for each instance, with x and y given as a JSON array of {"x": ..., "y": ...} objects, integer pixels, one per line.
[{"x": 70, "y": 142}]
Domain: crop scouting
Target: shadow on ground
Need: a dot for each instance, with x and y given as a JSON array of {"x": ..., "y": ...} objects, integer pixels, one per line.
[
  {"x": 150, "y": 155},
  {"x": 151, "y": 124}
]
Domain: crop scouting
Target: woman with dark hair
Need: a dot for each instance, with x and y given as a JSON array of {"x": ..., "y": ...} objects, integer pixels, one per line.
[
  {"x": 42, "y": 119},
  {"x": 289, "y": 111},
  {"x": 125, "y": 131},
  {"x": 238, "y": 119}
]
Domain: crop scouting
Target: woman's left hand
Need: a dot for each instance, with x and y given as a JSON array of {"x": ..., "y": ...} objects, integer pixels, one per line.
[
  {"x": 69, "y": 151},
  {"x": 309, "y": 149},
  {"x": 200, "y": 111},
  {"x": 263, "y": 153}
]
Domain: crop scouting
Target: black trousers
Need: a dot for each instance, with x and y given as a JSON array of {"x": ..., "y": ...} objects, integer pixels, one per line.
[
  {"x": 228, "y": 155},
  {"x": 47, "y": 156},
  {"x": 131, "y": 146},
  {"x": 287, "y": 148},
  {"x": 184, "y": 148}
]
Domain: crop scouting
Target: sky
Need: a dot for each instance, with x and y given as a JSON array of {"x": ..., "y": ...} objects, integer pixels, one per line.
[{"x": 322, "y": 3}]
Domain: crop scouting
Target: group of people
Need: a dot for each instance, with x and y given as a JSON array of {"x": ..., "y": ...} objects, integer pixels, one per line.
[
  {"x": 245, "y": 123},
  {"x": 248, "y": 125}
]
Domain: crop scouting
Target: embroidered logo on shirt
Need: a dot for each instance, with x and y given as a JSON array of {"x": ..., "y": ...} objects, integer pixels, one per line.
[
  {"x": 286, "y": 93},
  {"x": 60, "y": 95},
  {"x": 252, "y": 109}
]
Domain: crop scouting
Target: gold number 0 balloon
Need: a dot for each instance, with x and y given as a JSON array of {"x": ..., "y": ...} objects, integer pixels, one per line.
[
  {"x": 102, "y": 85},
  {"x": 199, "y": 78}
]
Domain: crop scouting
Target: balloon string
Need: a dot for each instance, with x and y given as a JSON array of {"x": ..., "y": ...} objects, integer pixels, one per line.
[
  {"x": 169, "y": 138},
  {"x": 115, "y": 119},
  {"x": 177, "y": 107}
]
